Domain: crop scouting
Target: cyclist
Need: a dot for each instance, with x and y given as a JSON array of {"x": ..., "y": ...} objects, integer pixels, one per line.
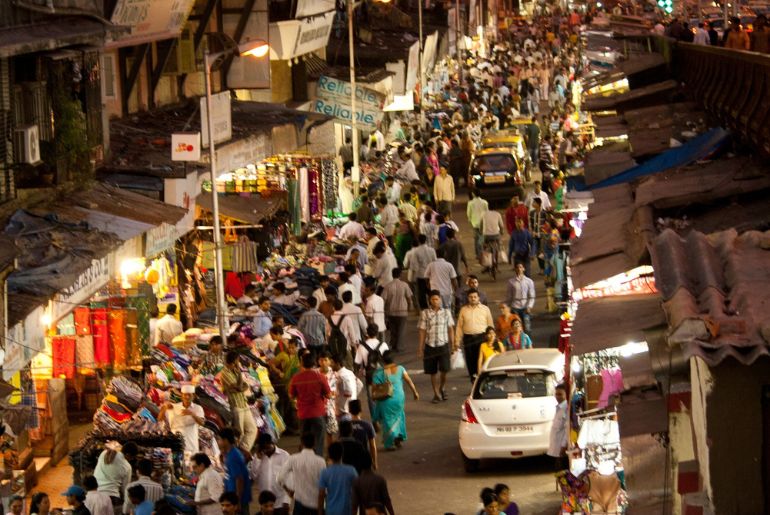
[{"x": 492, "y": 228}]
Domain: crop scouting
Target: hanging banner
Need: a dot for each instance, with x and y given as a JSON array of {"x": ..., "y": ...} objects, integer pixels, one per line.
[
  {"x": 412, "y": 67},
  {"x": 313, "y": 34},
  {"x": 86, "y": 285},
  {"x": 221, "y": 116},
  {"x": 150, "y": 20},
  {"x": 333, "y": 99},
  {"x": 159, "y": 239},
  {"x": 429, "y": 52}
]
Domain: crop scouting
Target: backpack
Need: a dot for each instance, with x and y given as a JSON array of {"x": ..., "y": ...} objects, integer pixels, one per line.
[
  {"x": 374, "y": 357},
  {"x": 338, "y": 344}
]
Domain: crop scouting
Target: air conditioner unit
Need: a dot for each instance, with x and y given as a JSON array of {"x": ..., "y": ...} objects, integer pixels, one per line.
[{"x": 26, "y": 144}]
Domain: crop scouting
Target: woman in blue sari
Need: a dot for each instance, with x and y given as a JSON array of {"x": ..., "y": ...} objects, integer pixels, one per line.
[{"x": 390, "y": 412}]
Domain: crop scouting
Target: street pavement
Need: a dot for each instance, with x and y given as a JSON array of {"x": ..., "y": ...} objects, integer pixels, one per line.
[{"x": 427, "y": 476}]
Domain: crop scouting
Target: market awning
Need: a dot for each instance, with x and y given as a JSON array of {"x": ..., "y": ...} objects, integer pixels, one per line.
[
  {"x": 247, "y": 210},
  {"x": 695, "y": 149},
  {"x": 614, "y": 321},
  {"x": 59, "y": 241},
  {"x": 56, "y": 33}
]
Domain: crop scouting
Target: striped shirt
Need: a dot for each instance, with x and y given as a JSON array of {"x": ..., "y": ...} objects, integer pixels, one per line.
[
  {"x": 233, "y": 381},
  {"x": 152, "y": 492}
]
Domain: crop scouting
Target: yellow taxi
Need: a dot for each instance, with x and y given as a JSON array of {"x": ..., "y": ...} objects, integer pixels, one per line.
[
  {"x": 495, "y": 173},
  {"x": 513, "y": 139}
]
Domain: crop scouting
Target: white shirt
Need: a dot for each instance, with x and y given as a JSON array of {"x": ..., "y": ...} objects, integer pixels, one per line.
[
  {"x": 375, "y": 310},
  {"x": 492, "y": 224},
  {"x": 407, "y": 172},
  {"x": 305, "y": 467},
  {"x": 113, "y": 477},
  {"x": 444, "y": 188},
  {"x": 440, "y": 274},
  {"x": 356, "y": 292},
  {"x": 98, "y": 503},
  {"x": 558, "y": 437},
  {"x": 393, "y": 194},
  {"x": 358, "y": 284},
  {"x": 348, "y": 327},
  {"x": 701, "y": 37},
  {"x": 418, "y": 260},
  {"x": 264, "y": 472},
  {"x": 287, "y": 299},
  {"x": 362, "y": 353},
  {"x": 476, "y": 209},
  {"x": 347, "y": 388},
  {"x": 383, "y": 270},
  {"x": 167, "y": 329},
  {"x": 543, "y": 196},
  {"x": 356, "y": 314},
  {"x": 186, "y": 425},
  {"x": 352, "y": 229},
  {"x": 319, "y": 295},
  {"x": 152, "y": 490},
  {"x": 379, "y": 139},
  {"x": 389, "y": 219},
  {"x": 210, "y": 486}
]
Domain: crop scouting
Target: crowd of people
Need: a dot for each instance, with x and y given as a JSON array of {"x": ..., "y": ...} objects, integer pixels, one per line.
[
  {"x": 402, "y": 256},
  {"x": 735, "y": 36}
]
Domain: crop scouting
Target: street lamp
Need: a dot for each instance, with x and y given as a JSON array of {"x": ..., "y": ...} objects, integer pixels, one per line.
[{"x": 253, "y": 48}]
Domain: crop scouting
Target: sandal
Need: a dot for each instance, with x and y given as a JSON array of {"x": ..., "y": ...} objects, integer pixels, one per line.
[
  {"x": 443, "y": 395},
  {"x": 435, "y": 400}
]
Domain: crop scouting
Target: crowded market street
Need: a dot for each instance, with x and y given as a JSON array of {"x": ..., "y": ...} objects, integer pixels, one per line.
[{"x": 473, "y": 257}]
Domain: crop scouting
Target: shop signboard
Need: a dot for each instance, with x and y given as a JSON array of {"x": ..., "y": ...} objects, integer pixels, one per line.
[
  {"x": 333, "y": 99},
  {"x": 86, "y": 285},
  {"x": 313, "y": 33},
  {"x": 159, "y": 239},
  {"x": 186, "y": 146},
  {"x": 312, "y": 7},
  {"x": 150, "y": 20},
  {"x": 221, "y": 117}
]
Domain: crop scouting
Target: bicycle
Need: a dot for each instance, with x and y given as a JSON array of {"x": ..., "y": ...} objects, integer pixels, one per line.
[{"x": 492, "y": 244}]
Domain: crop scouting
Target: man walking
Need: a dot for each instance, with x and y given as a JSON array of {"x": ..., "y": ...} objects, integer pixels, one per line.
[
  {"x": 454, "y": 252},
  {"x": 265, "y": 469},
  {"x": 533, "y": 139},
  {"x": 521, "y": 295},
  {"x": 305, "y": 469},
  {"x": 520, "y": 246},
  {"x": 237, "y": 478},
  {"x": 537, "y": 218},
  {"x": 515, "y": 211},
  {"x": 441, "y": 276},
  {"x": 336, "y": 484},
  {"x": 370, "y": 488},
  {"x": 444, "y": 192},
  {"x": 436, "y": 328},
  {"x": 477, "y": 206},
  {"x": 398, "y": 301},
  {"x": 310, "y": 390},
  {"x": 417, "y": 261},
  {"x": 472, "y": 322}
]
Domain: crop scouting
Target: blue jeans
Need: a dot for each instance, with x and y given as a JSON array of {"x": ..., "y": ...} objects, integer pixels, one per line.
[{"x": 525, "y": 318}]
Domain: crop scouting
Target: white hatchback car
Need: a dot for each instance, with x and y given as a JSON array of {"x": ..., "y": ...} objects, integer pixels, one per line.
[{"x": 509, "y": 411}]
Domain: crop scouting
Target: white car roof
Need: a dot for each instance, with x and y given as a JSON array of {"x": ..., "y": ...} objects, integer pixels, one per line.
[{"x": 548, "y": 359}]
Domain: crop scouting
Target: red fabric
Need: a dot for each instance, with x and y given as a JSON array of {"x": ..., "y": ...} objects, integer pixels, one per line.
[
  {"x": 63, "y": 356},
  {"x": 83, "y": 321},
  {"x": 311, "y": 389},
  {"x": 117, "y": 329},
  {"x": 234, "y": 285},
  {"x": 511, "y": 214},
  {"x": 102, "y": 354}
]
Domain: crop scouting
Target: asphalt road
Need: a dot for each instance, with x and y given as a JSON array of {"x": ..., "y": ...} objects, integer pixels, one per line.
[{"x": 427, "y": 474}]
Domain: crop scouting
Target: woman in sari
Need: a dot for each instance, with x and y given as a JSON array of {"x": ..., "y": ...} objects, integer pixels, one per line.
[{"x": 390, "y": 412}]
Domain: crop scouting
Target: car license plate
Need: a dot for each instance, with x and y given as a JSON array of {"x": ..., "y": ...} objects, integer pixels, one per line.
[
  {"x": 494, "y": 179},
  {"x": 514, "y": 429}
]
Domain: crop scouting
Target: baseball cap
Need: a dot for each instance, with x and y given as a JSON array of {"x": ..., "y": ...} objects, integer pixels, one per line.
[{"x": 76, "y": 491}]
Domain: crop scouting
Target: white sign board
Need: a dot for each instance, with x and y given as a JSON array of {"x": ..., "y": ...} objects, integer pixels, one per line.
[
  {"x": 333, "y": 99},
  {"x": 221, "y": 118},
  {"x": 150, "y": 19},
  {"x": 429, "y": 53},
  {"x": 86, "y": 285},
  {"x": 412, "y": 67},
  {"x": 186, "y": 146},
  {"x": 313, "y": 7},
  {"x": 313, "y": 34},
  {"x": 159, "y": 239}
]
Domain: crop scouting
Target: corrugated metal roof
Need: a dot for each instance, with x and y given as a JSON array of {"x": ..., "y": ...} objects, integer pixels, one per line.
[
  {"x": 635, "y": 98},
  {"x": 248, "y": 210},
  {"x": 54, "y": 33},
  {"x": 716, "y": 290},
  {"x": 614, "y": 321}
]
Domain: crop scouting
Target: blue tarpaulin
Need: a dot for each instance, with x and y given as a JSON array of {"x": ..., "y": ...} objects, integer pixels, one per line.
[{"x": 695, "y": 149}]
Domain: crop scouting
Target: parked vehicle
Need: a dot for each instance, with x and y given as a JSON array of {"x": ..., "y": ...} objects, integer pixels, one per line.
[
  {"x": 495, "y": 173},
  {"x": 511, "y": 406}
]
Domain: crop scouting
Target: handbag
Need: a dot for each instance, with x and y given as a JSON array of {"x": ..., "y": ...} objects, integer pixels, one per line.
[
  {"x": 486, "y": 259},
  {"x": 382, "y": 391},
  {"x": 502, "y": 256}
]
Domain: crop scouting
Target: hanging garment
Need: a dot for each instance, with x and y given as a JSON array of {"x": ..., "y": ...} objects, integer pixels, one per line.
[
  {"x": 133, "y": 348},
  {"x": 85, "y": 354},
  {"x": 593, "y": 390},
  {"x": 66, "y": 326},
  {"x": 244, "y": 255},
  {"x": 117, "y": 329},
  {"x": 63, "y": 356},
  {"x": 83, "y": 321},
  {"x": 141, "y": 305},
  {"x": 102, "y": 354},
  {"x": 612, "y": 384}
]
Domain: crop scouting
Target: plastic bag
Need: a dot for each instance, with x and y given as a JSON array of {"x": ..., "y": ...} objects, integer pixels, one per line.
[
  {"x": 457, "y": 360},
  {"x": 502, "y": 256},
  {"x": 486, "y": 259}
]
